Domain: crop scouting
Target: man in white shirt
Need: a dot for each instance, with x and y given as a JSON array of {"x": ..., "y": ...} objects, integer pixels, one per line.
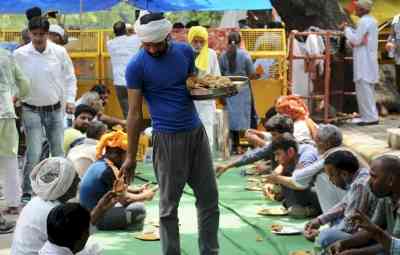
[
  {"x": 53, "y": 88},
  {"x": 364, "y": 41},
  {"x": 121, "y": 50},
  {"x": 83, "y": 155}
]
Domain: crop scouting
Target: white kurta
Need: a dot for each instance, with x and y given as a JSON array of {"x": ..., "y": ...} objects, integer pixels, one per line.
[
  {"x": 52, "y": 249},
  {"x": 364, "y": 41},
  {"x": 365, "y": 55},
  {"x": 207, "y": 108}
]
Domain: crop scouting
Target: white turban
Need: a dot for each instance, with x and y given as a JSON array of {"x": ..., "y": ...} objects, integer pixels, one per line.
[
  {"x": 57, "y": 29},
  {"x": 52, "y": 178},
  {"x": 154, "y": 31},
  {"x": 366, "y": 4}
]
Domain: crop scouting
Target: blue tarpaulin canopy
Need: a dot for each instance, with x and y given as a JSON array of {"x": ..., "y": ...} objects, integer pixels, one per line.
[
  {"x": 65, "y": 6},
  {"x": 200, "y": 5},
  {"x": 75, "y": 6}
]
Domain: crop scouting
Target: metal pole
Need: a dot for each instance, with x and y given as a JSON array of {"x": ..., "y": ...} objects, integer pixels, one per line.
[
  {"x": 80, "y": 13},
  {"x": 327, "y": 77}
]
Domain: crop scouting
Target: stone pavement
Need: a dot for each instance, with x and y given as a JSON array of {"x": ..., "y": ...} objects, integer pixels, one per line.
[{"x": 370, "y": 141}]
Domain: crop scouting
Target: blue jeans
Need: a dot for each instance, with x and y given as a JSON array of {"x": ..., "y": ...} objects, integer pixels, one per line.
[
  {"x": 331, "y": 235},
  {"x": 34, "y": 122}
]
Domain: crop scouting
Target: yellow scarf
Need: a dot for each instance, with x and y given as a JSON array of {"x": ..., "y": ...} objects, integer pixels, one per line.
[{"x": 202, "y": 59}]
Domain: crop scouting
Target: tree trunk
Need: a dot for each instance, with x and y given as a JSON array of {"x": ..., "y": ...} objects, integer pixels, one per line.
[{"x": 301, "y": 14}]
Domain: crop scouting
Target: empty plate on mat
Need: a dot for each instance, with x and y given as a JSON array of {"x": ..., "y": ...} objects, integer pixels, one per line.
[{"x": 274, "y": 211}]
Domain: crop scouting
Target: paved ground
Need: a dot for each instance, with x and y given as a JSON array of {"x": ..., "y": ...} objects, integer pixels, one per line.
[{"x": 376, "y": 131}]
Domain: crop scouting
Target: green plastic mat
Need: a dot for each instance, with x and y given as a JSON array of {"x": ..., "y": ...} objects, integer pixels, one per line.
[{"x": 242, "y": 231}]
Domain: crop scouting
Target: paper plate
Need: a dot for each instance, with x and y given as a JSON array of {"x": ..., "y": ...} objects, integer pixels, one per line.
[
  {"x": 287, "y": 230},
  {"x": 254, "y": 188},
  {"x": 153, "y": 236},
  {"x": 273, "y": 211},
  {"x": 301, "y": 253},
  {"x": 252, "y": 179}
]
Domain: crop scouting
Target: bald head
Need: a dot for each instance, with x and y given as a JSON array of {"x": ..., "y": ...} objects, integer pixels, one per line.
[
  {"x": 384, "y": 176},
  {"x": 389, "y": 164}
]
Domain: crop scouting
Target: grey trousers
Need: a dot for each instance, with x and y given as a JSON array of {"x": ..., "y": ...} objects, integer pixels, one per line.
[
  {"x": 122, "y": 218},
  {"x": 122, "y": 95},
  {"x": 179, "y": 159},
  {"x": 365, "y": 93}
]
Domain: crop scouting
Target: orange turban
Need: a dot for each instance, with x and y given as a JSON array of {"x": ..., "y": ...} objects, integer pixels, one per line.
[
  {"x": 292, "y": 106},
  {"x": 115, "y": 139},
  {"x": 296, "y": 109}
]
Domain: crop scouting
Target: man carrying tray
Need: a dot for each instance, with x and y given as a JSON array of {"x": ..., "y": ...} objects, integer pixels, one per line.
[{"x": 181, "y": 150}]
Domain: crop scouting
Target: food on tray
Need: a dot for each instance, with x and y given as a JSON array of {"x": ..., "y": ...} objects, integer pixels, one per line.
[
  {"x": 276, "y": 227},
  {"x": 208, "y": 82}
]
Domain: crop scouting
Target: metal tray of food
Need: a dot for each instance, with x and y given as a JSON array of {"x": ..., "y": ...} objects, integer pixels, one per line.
[
  {"x": 212, "y": 93},
  {"x": 206, "y": 94},
  {"x": 238, "y": 81}
]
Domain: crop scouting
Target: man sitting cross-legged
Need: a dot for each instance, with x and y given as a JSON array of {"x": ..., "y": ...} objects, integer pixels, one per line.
[
  {"x": 385, "y": 184},
  {"x": 276, "y": 126},
  {"x": 84, "y": 114},
  {"x": 102, "y": 176},
  {"x": 344, "y": 172},
  {"x": 291, "y": 156},
  {"x": 83, "y": 155},
  {"x": 328, "y": 139}
]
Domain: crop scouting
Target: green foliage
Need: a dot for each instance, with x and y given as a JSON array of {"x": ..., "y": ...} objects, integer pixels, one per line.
[
  {"x": 205, "y": 18},
  {"x": 105, "y": 19}
]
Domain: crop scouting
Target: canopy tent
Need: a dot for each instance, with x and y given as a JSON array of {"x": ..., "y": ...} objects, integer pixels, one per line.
[
  {"x": 200, "y": 5},
  {"x": 77, "y": 6},
  {"x": 65, "y": 6}
]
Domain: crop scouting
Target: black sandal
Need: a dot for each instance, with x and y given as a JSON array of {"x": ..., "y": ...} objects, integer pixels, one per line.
[{"x": 6, "y": 227}]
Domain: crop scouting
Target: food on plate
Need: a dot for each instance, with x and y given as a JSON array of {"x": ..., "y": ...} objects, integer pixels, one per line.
[
  {"x": 276, "y": 227},
  {"x": 301, "y": 253},
  {"x": 152, "y": 235},
  {"x": 254, "y": 188},
  {"x": 208, "y": 82},
  {"x": 272, "y": 211}
]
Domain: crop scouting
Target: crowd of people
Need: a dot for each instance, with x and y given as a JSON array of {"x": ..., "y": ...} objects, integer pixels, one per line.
[{"x": 305, "y": 165}]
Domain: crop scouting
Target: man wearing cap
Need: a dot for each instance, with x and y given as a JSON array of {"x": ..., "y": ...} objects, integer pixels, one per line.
[
  {"x": 181, "y": 150},
  {"x": 364, "y": 41},
  {"x": 53, "y": 89},
  {"x": 393, "y": 46},
  {"x": 56, "y": 34}
]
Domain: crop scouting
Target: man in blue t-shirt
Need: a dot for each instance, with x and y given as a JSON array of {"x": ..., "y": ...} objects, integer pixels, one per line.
[{"x": 158, "y": 72}]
